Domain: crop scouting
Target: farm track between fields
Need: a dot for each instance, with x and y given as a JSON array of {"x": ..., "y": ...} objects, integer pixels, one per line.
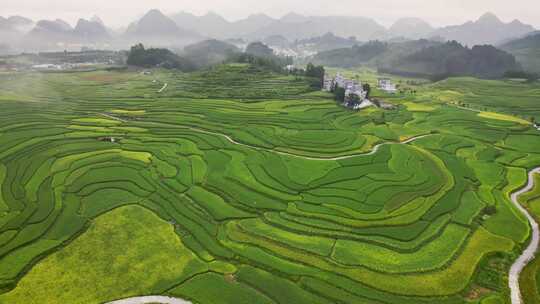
[
  {"x": 532, "y": 249},
  {"x": 374, "y": 149}
]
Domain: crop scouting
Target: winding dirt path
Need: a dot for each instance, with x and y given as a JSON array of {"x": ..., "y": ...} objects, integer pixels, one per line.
[
  {"x": 150, "y": 299},
  {"x": 531, "y": 250},
  {"x": 163, "y": 88},
  {"x": 373, "y": 150}
]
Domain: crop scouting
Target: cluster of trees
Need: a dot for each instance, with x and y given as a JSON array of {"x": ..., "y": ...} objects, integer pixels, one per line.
[
  {"x": 339, "y": 94},
  {"x": 155, "y": 57},
  {"x": 209, "y": 52},
  {"x": 260, "y": 55},
  {"x": 275, "y": 64},
  {"x": 351, "y": 57},
  {"x": 315, "y": 73},
  {"x": 259, "y": 49}
]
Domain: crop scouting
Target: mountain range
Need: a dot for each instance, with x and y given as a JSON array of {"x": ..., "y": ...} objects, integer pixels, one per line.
[
  {"x": 214, "y": 26},
  {"x": 156, "y": 28},
  {"x": 178, "y": 30},
  {"x": 488, "y": 29},
  {"x": 412, "y": 28}
]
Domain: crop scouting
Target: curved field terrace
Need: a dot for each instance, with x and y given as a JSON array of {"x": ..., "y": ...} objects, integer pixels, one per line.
[{"x": 241, "y": 186}]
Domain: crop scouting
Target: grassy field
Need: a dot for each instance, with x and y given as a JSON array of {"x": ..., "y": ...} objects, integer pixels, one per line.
[{"x": 239, "y": 185}]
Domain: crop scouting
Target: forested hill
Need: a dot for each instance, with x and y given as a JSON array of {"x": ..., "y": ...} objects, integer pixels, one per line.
[
  {"x": 424, "y": 58},
  {"x": 526, "y": 50},
  {"x": 353, "y": 56},
  {"x": 453, "y": 59}
]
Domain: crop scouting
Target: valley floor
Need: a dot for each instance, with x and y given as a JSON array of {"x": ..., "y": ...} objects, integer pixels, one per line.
[{"x": 236, "y": 185}]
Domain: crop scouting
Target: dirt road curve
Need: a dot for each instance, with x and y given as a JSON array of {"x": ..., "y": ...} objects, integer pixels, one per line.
[{"x": 531, "y": 250}]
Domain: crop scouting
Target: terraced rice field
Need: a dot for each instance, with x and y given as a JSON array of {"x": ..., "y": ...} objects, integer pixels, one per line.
[
  {"x": 240, "y": 186},
  {"x": 509, "y": 96}
]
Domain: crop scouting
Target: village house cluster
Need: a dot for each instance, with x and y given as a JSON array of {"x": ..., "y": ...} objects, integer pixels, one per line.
[
  {"x": 355, "y": 96},
  {"x": 385, "y": 84}
]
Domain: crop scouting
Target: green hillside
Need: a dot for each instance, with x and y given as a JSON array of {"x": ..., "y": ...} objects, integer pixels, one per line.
[{"x": 239, "y": 185}]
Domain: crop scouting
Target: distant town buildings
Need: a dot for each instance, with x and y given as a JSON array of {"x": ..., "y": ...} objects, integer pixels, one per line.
[{"x": 385, "y": 84}]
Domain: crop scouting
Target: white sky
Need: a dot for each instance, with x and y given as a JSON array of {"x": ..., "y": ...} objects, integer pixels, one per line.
[{"x": 117, "y": 13}]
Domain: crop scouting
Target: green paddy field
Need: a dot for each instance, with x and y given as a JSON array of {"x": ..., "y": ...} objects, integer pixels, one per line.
[{"x": 235, "y": 185}]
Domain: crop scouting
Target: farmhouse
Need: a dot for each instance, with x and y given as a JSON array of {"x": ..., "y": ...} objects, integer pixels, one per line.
[
  {"x": 386, "y": 85},
  {"x": 355, "y": 96},
  {"x": 328, "y": 83}
]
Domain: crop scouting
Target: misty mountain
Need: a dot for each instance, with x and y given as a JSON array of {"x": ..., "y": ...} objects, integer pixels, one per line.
[
  {"x": 211, "y": 24},
  {"x": 251, "y": 24},
  {"x": 489, "y": 29},
  {"x": 14, "y": 27},
  {"x": 154, "y": 28},
  {"x": 59, "y": 35},
  {"x": 291, "y": 26},
  {"x": 63, "y": 24},
  {"x": 91, "y": 31},
  {"x": 7, "y": 31},
  {"x": 412, "y": 28},
  {"x": 20, "y": 23},
  {"x": 49, "y": 34},
  {"x": 526, "y": 50},
  {"x": 215, "y": 26},
  {"x": 309, "y": 27},
  {"x": 293, "y": 17}
]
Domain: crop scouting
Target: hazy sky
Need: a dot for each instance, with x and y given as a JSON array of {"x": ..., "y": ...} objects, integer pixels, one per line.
[{"x": 118, "y": 13}]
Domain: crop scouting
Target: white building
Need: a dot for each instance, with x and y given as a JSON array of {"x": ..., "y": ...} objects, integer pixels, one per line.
[
  {"x": 366, "y": 103},
  {"x": 328, "y": 83},
  {"x": 386, "y": 85},
  {"x": 352, "y": 89}
]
